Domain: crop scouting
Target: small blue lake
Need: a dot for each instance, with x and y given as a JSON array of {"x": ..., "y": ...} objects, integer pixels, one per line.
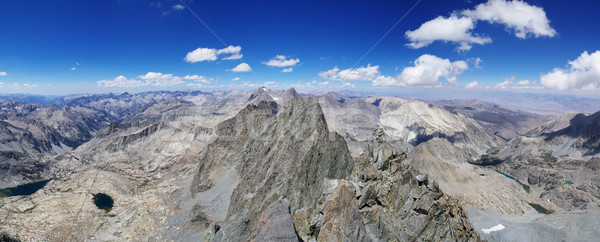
[
  {"x": 23, "y": 190},
  {"x": 526, "y": 187}
]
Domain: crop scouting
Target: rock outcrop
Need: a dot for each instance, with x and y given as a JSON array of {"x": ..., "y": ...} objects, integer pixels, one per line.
[{"x": 385, "y": 202}]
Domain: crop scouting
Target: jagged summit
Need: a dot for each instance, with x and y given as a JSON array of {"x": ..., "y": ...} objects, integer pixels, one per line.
[
  {"x": 292, "y": 94},
  {"x": 261, "y": 94}
]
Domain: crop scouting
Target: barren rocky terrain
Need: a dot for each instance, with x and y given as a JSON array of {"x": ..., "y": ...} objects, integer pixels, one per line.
[{"x": 283, "y": 166}]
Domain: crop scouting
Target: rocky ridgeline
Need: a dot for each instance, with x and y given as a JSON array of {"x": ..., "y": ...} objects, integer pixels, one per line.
[
  {"x": 385, "y": 199},
  {"x": 29, "y": 132},
  {"x": 296, "y": 180}
]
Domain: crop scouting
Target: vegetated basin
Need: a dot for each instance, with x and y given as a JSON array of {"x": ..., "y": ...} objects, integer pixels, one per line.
[
  {"x": 103, "y": 201},
  {"x": 23, "y": 190}
]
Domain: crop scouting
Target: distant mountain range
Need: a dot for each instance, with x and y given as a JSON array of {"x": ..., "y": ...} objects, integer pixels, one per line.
[{"x": 281, "y": 165}]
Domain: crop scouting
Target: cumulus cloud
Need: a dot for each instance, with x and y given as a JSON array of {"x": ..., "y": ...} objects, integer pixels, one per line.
[
  {"x": 211, "y": 54},
  {"x": 230, "y": 50},
  {"x": 524, "y": 19},
  {"x": 582, "y": 73},
  {"x": 287, "y": 69},
  {"x": 120, "y": 81},
  {"x": 506, "y": 84},
  {"x": 428, "y": 70},
  {"x": 510, "y": 83},
  {"x": 3, "y": 73},
  {"x": 243, "y": 67},
  {"x": 473, "y": 84},
  {"x": 73, "y": 68},
  {"x": 281, "y": 61},
  {"x": 351, "y": 74},
  {"x": 235, "y": 79},
  {"x": 161, "y": 80},
  {"x": 197, "y": 78},
  {"x": 453, "y": 29},
  {"x": 201, "y": 54}
]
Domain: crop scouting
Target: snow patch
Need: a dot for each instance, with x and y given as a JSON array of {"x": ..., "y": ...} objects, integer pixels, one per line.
[
  {"x": 412, "y": 135},
  {"x": 493, "y": 229}
]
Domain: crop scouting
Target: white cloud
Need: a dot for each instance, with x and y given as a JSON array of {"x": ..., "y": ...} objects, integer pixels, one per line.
[
  {"x": 120, "y": 81},
  {"x": 583, "y": 74},
  {"x": 178, "y": 7},
  {"x": 243, "y": 67},
  {"x": 27, "y": 85},
  {"x": 3, "y": 73},
  {"x": 211, "y": 54},
  {"x": 235, "y": 79},
  {"x": 509, "y": 83},
  {"x": 150, "y": 79},
  {"x": 348, "y": 84},
  {"x": 352, "y": 74},
  {"x": 429, "y": 69},
  {"x": 197, "y": 78},
  {"x": 230, "y": 50},
  {"x": 453, "y": 29},
  {"x": 281, "y": 61},
  {"x": 288, "y": 69},
  {"x": 201, "y": 54},
  {"x": 234, "y": 57},
  {"x": 330, "y": 74},
  {"x": 73, "y": 68},
  {"x": 476, "y": 62},
  {"x": 472, "y": 85},
  {"x": 161, "y": 80},
  {"x": 386, "y": 81},
  {"x": 524, "y": 19},
  {"x": 504, "y": 85}
]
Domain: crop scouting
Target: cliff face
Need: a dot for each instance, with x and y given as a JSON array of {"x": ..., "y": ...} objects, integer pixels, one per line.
[{"x": 276, "y": 154}]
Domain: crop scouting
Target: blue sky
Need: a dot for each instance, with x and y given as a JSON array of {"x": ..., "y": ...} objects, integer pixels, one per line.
[{"x": 62, "y": 47}]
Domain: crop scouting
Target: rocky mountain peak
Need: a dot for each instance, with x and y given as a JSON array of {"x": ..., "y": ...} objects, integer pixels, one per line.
[
  {"x": 293, "y": 94},
  {"x": 261, "y": 94},
  {"x": 273, "y": 157}
]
